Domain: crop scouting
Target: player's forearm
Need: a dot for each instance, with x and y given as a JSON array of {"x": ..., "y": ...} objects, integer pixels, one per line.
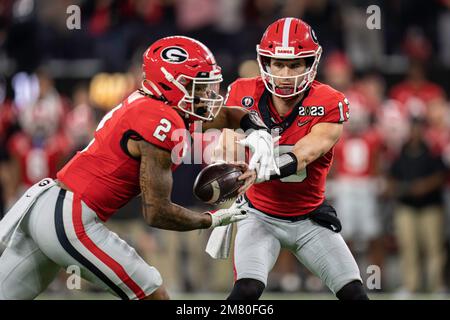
[
  {"x": 316, "y": 144},
  {"x": 156, "y": 187},
  {"x": 169, "y": 216},
  {"x": 306, "y": 154},
  {"x": 305, "y": 151}
]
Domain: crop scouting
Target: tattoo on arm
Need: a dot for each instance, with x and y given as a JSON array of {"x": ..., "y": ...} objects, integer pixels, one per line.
[{"x": 156, "y": 186}]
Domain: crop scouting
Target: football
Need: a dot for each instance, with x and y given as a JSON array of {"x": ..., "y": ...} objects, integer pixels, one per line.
[{"x": 217, "y": 183}]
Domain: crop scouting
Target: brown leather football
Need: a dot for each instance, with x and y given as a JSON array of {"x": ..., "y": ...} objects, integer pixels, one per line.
[{"x": 217, "y": 183}]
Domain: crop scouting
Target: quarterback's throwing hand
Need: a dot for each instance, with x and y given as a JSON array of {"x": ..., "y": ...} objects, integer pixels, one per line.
[{"x": 223, "y": 217}]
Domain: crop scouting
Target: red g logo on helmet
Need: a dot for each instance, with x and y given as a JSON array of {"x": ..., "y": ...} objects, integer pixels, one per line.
[{"x": 174, "y": 55}]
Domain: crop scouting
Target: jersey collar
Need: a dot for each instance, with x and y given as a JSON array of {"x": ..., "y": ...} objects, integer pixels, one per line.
[{"x": 263, "y": 107}]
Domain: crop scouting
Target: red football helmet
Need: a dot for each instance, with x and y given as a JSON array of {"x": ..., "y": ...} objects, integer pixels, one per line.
[
  {"x": 289, "y": 38},
  {"x": 183, "y": 72}
]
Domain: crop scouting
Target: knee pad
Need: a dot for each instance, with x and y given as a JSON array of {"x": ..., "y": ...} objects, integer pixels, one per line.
[
  {"x": 246, "y": 289},
  {"x": 352, "y": 291}
]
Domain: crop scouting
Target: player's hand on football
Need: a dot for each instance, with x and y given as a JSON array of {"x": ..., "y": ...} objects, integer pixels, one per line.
[
  {"x": 223, "y": 217},
  {"x": 261, "y": 143},
  {"x": 248, "y": 176}
]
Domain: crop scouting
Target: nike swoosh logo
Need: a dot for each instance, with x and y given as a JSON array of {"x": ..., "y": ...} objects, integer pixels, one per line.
[{"x": 302, "y": 123}]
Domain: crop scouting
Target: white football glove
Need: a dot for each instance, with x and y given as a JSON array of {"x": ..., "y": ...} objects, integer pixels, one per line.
[
  {"x": 261, "y": 143},
  {"x": 223, "y": 217}
]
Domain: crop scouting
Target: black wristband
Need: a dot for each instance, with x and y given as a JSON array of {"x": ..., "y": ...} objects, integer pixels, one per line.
[
  {"x": 252, "y": 121},
  {"x": 288, "y": 165}
]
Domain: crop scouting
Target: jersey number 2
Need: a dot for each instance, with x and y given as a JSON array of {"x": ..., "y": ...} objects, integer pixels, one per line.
[{"x": 162, "y": 129}]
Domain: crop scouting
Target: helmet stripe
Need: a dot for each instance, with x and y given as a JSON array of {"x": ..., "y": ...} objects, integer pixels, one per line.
[{"x": 287, "y": 26}]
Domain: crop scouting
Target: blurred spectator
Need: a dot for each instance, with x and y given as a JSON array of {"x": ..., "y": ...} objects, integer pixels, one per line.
[
  {"x": 338, "y": 71},
  {"x": 416, "y": 45},
  {"x": 399, "y": 16},
  {"x": 357, "y": 169},
  {"x": 196, "y": 14},
  {"x": 39, "y": 149},
  {"x": 80, "y": 122},
  {"x": 416, "y": 182},
  {"x": 438, "y": 129},
  {"x": 415, "y": 92},
  {"x": 357, "y": 162},
  {"x": 438, "y": 137},
  {"x": 393, "y": 126},
  {"x": 6, "y": 120},
  {"x": 372, "y": 85}
]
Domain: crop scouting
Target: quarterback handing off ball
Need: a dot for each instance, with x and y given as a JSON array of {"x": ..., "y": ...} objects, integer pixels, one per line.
[{"x": 217, "y": 183}]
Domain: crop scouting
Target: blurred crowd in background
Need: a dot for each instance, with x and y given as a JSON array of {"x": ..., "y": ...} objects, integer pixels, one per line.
[{"x": 389, "y": 181}]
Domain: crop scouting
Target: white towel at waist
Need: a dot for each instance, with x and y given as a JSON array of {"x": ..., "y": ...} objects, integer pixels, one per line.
[{"x": 219, "y": 242}]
